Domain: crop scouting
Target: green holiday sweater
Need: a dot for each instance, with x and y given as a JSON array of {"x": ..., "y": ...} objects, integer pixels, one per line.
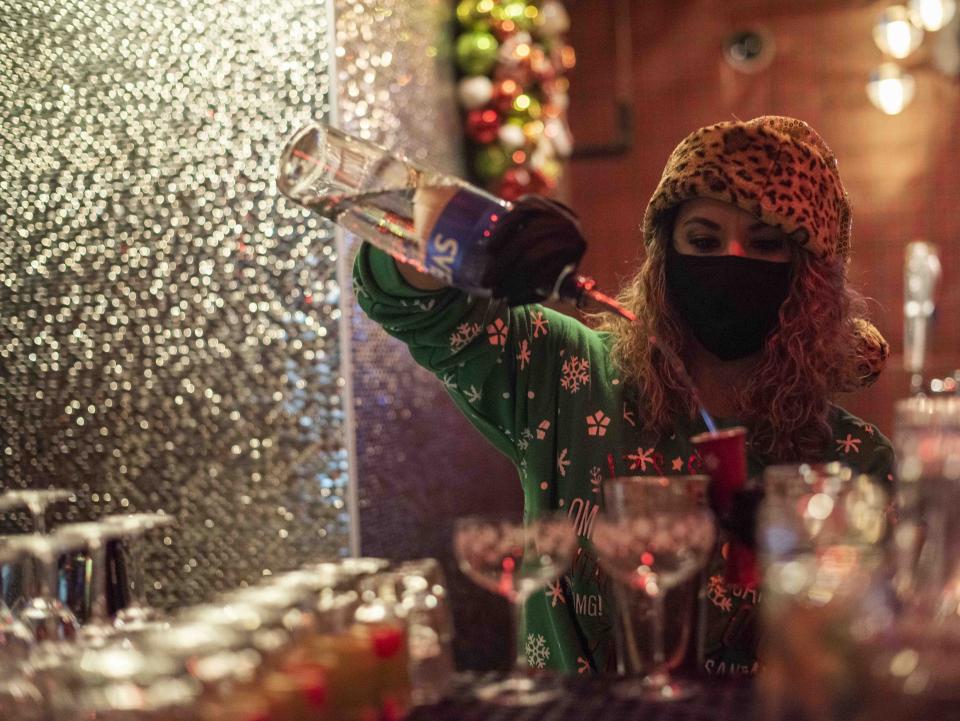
[{"x": 540, "y": 386}]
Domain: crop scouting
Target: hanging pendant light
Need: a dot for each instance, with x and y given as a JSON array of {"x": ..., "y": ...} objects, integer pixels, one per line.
[
  {"x": 895, "y": 33},
  {"x": 890, "y": 88},
  {"x": 933, "y": 15}
]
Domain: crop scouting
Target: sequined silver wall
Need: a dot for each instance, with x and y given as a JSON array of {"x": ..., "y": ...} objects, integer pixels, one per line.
[
  {"x": 416, "y": 455},
  {"x": 419, "y": 464},
  {"x": 168, "y": 326}
]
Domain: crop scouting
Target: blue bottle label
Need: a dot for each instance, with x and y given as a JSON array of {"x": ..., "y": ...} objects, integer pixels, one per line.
[{"x": 456, "y": 246}]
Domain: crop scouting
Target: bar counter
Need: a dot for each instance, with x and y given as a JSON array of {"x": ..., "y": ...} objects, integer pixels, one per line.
[{"x": 590, "y": 699}]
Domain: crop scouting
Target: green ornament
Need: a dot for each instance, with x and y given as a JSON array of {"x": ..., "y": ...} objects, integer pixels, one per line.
[
  {"x": 477, "y": 52},
  {"x": 526, "y": 107},
  {"x": 474, "y": 14},
  {"x": 519, "y": 12},
  {"x": 491, "y": 162}
]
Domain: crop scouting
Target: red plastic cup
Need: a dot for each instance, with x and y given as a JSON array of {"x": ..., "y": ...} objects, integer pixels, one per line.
[{"x": 724, "y": 455}]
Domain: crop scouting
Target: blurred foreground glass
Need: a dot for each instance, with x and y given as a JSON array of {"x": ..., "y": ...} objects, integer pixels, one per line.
[
  {"x": 655, "y": 533},
  {"x": 820, "y": 539},
  {"x": 514, "y": 560},
  {"x": 122, "y": 683},
  {"x": 927, "y": 539},
  {"x": 20, "y": 700},
  {"x": 423, "y": 594}
]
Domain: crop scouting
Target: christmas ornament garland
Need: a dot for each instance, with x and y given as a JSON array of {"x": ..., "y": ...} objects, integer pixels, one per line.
[{"x": 512, "y": 58}]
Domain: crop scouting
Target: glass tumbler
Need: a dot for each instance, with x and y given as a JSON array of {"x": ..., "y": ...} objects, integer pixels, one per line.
[
  {"x": 927, "y": 537},
  {"x": 820, "y": 536}
]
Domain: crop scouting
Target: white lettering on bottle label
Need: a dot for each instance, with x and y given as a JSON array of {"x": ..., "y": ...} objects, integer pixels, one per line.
[{"x": 442, "y": 255}]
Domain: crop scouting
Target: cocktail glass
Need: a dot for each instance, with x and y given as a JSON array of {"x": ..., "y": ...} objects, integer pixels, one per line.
[
  {"x": 515, "y": 559},
  {"x": 655, "y": 534}
]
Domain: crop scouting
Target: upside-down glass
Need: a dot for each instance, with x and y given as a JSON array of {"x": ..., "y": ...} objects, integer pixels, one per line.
[
  {"x": 36, "y": 502},
  {"x": 820, "y": 539},
  {"x": 927, "y": 539},
  {"x": 654, "y": 534},
  {"x": 514, "y": 559},
  {"x": 97, "y": 625},
  {"x": 42, "y": 612},
  {"x": 423, "y": 595},
  {"x": 16, "y": 640},
  {"x": 132, "y": 527}
]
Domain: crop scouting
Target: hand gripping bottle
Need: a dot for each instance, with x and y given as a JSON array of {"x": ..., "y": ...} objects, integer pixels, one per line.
[{"x": 523, "y": 252}]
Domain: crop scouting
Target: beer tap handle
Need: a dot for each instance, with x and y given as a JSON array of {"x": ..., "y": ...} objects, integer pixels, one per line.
[{"x": 921, "y": 274}]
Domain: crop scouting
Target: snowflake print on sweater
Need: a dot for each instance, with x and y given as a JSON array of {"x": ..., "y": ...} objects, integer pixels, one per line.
[
  {"x": 596, "y": 479},
  {"x": 575, "y": 373},
  {"x": 462, "y": 336},
  {"x": 717, "y": 593},
  {"x": 539, "y": 323},
  {"x": 536, "y": 650},
  {"x": 640, "y": 458},
  {"x": 849, "y": 444},
  {"x": 523, "y": 355},
  {"x": 525, "y": 437},
  {"x": 555, "y": 592}
]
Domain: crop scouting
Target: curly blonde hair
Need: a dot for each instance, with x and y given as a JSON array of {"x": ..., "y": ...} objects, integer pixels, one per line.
[{"x": 803, "y": 361}]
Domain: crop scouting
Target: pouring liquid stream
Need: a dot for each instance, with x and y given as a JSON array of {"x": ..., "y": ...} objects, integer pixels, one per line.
[{"x": 586, "y": 289}]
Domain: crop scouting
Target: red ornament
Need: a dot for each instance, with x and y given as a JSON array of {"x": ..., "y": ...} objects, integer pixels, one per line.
[
  {"x": 541, "y": 65},
  {"x": 505, "y": 91},
  {"x": 515, "y": 182},
  {"x": 482, "y": 125},
  {"x": 503, "y": 29}
]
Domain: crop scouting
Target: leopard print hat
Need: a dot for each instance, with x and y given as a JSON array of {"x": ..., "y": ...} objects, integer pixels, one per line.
[{"x": 781, "y": 171}]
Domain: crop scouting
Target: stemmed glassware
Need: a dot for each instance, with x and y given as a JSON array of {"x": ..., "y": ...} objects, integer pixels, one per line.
[
  {"x": 36, "y": 502},
  {"x": 94, "y": 535},
  {"x": 43, "y": 613},
  {"x": 15, "y": 638},
  {"x": 654, "y": 534},
  {"x": 515, "y": 559},
  {"x": 131, "y": 528}
]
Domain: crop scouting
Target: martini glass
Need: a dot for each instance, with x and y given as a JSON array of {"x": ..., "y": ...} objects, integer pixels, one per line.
[
  {"x": 655, "y": 534},
  {"x": 515, "y": 560}
]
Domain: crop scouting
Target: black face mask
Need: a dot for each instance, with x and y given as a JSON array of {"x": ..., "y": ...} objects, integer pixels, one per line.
[{"x": 729, "y": 303}]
